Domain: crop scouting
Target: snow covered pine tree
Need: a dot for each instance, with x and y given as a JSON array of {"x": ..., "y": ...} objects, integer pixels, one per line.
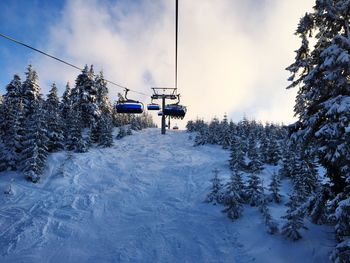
[
  {"x": 215, "y": 196},
  {"x": 323, "y": 101}
]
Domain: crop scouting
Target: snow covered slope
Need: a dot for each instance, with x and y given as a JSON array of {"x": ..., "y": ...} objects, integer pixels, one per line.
[{"x": 139, "y": 201}]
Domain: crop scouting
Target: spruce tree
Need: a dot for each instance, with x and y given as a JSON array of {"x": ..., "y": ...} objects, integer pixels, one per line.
[
  {"x": 215, "y": 196},
  {"x": 295, "y": 219},
  {"x": 10, "y": 108},
  {"x": 54, "y": 121},
  {"x": 271, "y": 225},
  {"x": 254, "y": 190},
  {"x": 232, "y": 198},
  {"x": 274, "y": 188},
  {"x": 255, "y": 164},
  {"x": 237, "y": 158},
  {"x": 318, "y": 205},
  {"x": 304, "y": 177},
  {"x": 128, "y": 131},
  {"x": 3, "y": 156},
  {"x": 121, "y": 133},
  {"x": 84, "y": 97},
  {"x": 288, "y": 159},
  {"x": 65, "y": 107},
  {"x": 225, "y": 136},
  {"x": 34, "y": 142},
  {"x": 264, "y": 147},
  {"x": 273, "y": 154},
  {"x": 104, "y": 126},
  {"x": 31, "y": 96},
  {"x": 74, "y": 141},
  {"x": 342, "y": 231},
  {"x": 202, "y": 136},
  {"x": 214, "y": 131},
  {"x": 34, "y": 154},
  {"x": 322, "y": 75}
]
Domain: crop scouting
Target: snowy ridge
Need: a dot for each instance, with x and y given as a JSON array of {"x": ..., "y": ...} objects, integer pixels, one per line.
[{"x": 139, "y": 201}]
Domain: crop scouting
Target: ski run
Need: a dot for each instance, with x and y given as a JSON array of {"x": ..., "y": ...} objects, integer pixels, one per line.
[{"x": 141, "y": 201}]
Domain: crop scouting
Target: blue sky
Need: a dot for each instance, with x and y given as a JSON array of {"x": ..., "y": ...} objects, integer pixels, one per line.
[
  {"x": 27, "y": 21},
  {"x": 232, "y": 53}
]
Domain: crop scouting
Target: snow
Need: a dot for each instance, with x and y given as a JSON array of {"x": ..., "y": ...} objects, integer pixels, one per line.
[{"x": 140, "y": 201}]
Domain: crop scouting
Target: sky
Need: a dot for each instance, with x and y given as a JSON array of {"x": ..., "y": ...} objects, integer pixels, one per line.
[{"x": 232, "y": 54}]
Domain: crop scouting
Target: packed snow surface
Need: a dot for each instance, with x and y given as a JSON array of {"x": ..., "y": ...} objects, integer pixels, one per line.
[{"x": 139, "y": 201}]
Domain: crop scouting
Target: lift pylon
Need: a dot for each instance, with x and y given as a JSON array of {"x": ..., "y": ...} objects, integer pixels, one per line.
[{"x": 163, "y": 94}]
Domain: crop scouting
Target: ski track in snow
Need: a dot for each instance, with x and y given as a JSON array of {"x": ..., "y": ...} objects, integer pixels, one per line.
[{"x": 138, "y": 201}]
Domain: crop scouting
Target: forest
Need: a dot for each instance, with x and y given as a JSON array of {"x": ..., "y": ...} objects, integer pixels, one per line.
[{"x": 32, "y": 127}]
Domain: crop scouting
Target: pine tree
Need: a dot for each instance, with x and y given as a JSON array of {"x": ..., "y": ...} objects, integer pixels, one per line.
[
  {"x": 105, "y": 123},
  {"x": 274, "y": 188},
  {"x": 255, "y": 165},
  {"x": 75, "y": 140},
  {"x": 273, "y": 154},
  {"x": 225, "y": 136},
  {"x": 128, "y": 131},
  {"x": 135, "y": 124},
  {"x": 304, "y": 177},
  {"x": 34, "y": 140},
  {"x": 322, "y": 105},
  {"x": 341, "y": 215},
  {"x": 264, "y": 147},
  {"x": 19, "y": 135},
  {"x": 84, "y": 97},
  {"x": 10, "y": 108},
  {"x": 214, "y": 131},
  {"x": 318, "y": 205},
  {"x": 31, "y": 96},
  {"x": 271, "y": 225},
  {"x": 190, "y": 126},
  {"x": 232, "y": 198},
  {"x": 54, "y": 121},
  {"x": 294, "y": 216},
  {"x": 236, "y": 161},
  {"x": 288, "y": 158},
  {"x": 252, "y": 147},
  {"x": 34, "y": 155},
  {"x": 202, "y": 136},
  {"x": 65, "y": 107},
  {"x": 322, "y": 75},
  {"x": 121, "y": 133},
  {"x": 215, "y": 195},
  {"x": 102, "y": 133},
  {"x": 254, "y": 190},
  {"x": 3, "y": 154}
]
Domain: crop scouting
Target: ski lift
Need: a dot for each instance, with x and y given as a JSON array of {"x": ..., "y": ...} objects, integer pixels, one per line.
[
  {"x": 153, "y": 106},
  {"x": 175, "y": 110},
  {"x": 128, "y": 106}
]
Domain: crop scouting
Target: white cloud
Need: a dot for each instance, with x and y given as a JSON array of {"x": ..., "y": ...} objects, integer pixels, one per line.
[{"x": 232, "y": 54}]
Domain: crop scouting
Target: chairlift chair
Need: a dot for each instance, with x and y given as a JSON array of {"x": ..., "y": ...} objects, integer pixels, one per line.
[
  {"x": 129, "y": 106},
  {"x": 153, "y": 106},
  {"x": 175, "y": 110}
]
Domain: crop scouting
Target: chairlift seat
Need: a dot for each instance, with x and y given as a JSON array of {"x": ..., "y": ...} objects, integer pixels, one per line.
[
  {"x": 153, "y": 106},
  {"x": 175, "y": 111},
  {"x": 129, "y": 107}
]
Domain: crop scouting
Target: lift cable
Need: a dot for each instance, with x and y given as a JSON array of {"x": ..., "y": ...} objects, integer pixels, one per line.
[
  {"x": 67, "y": 63},
  {"x": 176, "y": 33}
]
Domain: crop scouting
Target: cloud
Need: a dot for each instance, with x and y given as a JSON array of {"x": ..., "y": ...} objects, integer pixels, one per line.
[{"x": 232, "y": 54}]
